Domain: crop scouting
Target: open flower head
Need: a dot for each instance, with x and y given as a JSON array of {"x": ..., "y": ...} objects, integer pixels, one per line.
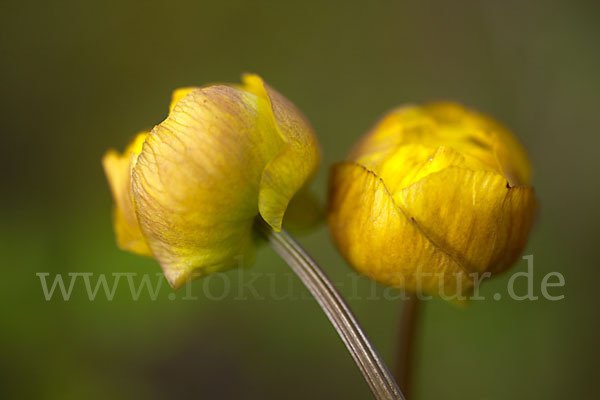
[
  {"x": 188, "y": 192},
  {"x": 432, "y": 198}
]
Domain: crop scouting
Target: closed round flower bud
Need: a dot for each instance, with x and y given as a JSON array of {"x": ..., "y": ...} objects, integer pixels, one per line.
[
  {"x": 432, "y": 198},
  {"x": 188, "y": 192}
]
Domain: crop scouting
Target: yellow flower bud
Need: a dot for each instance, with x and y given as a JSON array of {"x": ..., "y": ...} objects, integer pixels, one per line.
[
  {"x": 430, "y": 196},
  {"x": 188, "y": 192}
]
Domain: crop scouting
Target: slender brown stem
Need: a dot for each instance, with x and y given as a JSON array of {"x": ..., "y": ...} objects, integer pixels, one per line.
[
  {"x": 371, "y": 365},
  {"x": 409, "y": 319}
]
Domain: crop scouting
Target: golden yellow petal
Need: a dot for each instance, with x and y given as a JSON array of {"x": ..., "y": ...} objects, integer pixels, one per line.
[
  {"x": 482, "y": 131},
  {"x": 474, "y": 216},
  {"x": 408, "y": 163},
  {"x": 451, "y": 125},
  {"x": 129, "y": 237},
  {"x": 196, "y": 181},
  {"x": 380, "y": 242},
  {"x": 401, "y": 126},
  {"x": 178, "y": 94},
  {"x": 117, "y": 168},
  {"x": 296, "y": 162}
]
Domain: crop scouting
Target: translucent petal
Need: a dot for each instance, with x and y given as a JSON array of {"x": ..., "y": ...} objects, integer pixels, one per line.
[
  {"x": 297, "y": 161},
  {"x": 117, "y": 168},
  {"x": 179, "y": 94},
  {"x": 196, "y": 181}
]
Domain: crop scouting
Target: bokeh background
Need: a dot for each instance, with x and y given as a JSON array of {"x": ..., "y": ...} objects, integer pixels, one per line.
[{"x": 80, "y": 77}]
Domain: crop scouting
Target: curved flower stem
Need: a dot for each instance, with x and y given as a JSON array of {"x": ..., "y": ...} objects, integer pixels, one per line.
[
  {"x": 407, "y": 327},
  {"x": 376, "y": 374}
]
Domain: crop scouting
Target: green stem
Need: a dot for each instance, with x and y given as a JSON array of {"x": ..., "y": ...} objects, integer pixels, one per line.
[
  {"x": 376, "y": 374},
  {"x": 406, "y": 342}
]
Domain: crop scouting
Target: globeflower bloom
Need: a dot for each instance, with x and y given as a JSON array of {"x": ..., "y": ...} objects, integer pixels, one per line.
[
  {"x": 432, "y": 198},
  {"x": 189, "y": 191}
]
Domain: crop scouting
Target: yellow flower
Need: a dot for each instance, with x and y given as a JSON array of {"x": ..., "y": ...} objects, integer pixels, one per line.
[
  {"x": 431, "y": 197},
  {"x": 189, "y": 191}
]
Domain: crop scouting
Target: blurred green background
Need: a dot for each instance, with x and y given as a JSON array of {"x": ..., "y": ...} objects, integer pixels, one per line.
[{"x": 79, "y": 77}]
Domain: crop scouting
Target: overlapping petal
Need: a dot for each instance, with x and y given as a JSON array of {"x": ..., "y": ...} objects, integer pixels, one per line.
[
  {"x": 383, "y": 243},
  {"x": 437, "y": 192},
  {"x": 297, "y": 161},
  {"x": 474, "y": 216},
  {"x": 225, "y": 155},
  {"x": 446, "y": 124}
]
